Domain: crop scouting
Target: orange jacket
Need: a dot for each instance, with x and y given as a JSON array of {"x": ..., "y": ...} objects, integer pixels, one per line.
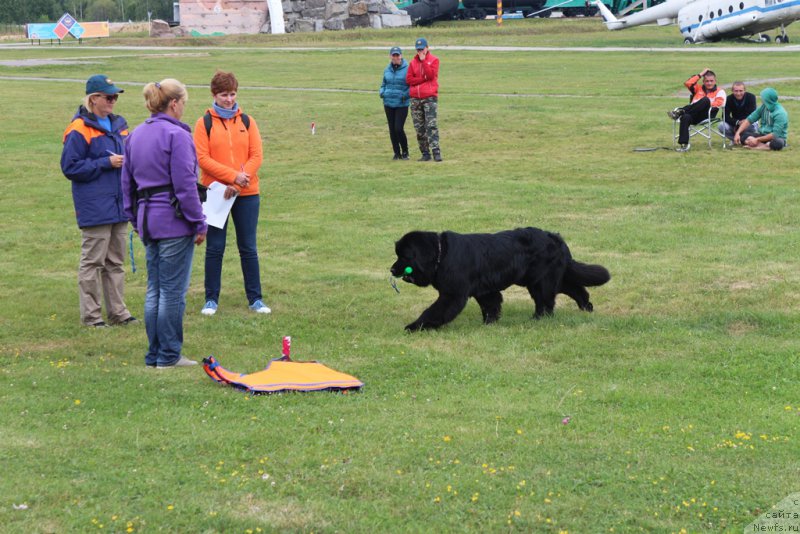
[
  {"x": 695, "y": 85},
  {"x": 229, "y": 149}
]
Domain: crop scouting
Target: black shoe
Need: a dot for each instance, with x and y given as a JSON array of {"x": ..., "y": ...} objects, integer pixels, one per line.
[
  {"x": 437, "y": 156},
  {"x": 396, "y": 157},
  {"x": 675, "y": 114},
  {"x": 129, "y": 320},
  {"x": 99, "y": 324},
  {"x": 404, "y": 156},
  {"x": 425, "y": 157}
]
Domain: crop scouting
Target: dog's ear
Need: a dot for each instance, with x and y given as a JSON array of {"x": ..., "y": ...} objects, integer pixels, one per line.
[{"x": 428, "y": 245}]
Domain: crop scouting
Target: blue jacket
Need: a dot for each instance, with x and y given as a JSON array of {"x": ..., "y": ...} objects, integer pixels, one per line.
[
  {"x": 85, "y": 160},
  {"x": 394, "y": 89}
]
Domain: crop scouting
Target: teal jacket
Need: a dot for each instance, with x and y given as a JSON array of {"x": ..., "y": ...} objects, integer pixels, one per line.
[
  {"x": 394, "y": 89},
  {"x": 771, "y": 116}
]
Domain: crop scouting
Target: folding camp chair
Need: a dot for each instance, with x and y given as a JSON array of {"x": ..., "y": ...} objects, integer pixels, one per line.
[{"x": 707, "y": 128}]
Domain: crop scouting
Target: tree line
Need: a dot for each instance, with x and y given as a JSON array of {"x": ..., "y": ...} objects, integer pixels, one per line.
[{"x": 22, "y": 12}]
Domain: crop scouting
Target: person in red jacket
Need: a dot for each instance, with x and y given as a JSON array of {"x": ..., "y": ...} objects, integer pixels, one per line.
[
  {"x": 704, "y": 95},
  {"x": 423, "y": 84}
]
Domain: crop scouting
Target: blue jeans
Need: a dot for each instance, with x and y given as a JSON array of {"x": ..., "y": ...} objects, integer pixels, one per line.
[
  {"x": 245, "y": 219},
  {"x": 169, "y": 266}
]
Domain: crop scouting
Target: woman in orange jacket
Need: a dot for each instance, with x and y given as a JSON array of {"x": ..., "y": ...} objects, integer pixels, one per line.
[{"x": 229, "y": 151}]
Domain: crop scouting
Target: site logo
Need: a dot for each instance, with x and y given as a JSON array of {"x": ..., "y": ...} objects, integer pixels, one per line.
[{"x": 782, "y": 517}]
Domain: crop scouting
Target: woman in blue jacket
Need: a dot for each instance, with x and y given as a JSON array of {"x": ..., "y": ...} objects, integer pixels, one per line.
[
  {"x": 92, "y": 160},
  {"x": 394, "y": 92}
]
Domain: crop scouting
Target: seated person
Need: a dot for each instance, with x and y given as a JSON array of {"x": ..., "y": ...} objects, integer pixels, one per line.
[
  {"x": 773, "y": 124},
  {"x": 737, "y": 109},
  {"x": 703, "y": 96}
]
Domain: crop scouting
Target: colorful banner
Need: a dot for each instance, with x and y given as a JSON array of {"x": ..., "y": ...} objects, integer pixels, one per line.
[
  {"x": 95, "y": 29},
  {"x": 67, "y": 24},
  {"x": 42, "y": 31},
  {"x": 59, "y": 30}
]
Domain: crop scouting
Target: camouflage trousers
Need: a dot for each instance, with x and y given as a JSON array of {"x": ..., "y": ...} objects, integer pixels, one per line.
[{"x": 423, "y": 113}]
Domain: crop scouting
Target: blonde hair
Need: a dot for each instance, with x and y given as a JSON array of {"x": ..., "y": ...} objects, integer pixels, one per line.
[
  {"x": 158, "y": 95},
  {"x": 87, "y": 101}
]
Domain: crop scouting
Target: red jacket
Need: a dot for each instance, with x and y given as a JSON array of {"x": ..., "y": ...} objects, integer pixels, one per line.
[
  {"x": 695, "y": 85},
  {"x": 423, "y": 77}
]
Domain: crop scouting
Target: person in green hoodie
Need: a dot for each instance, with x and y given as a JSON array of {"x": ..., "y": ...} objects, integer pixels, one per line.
[{"x": 773, "y": 124}]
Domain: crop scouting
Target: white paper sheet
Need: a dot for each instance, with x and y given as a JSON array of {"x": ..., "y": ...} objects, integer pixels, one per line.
[{"x": 216, "y": 207}]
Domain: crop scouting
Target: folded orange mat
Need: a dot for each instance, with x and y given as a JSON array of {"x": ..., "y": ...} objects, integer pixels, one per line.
[{"x": 283, "y": 374}]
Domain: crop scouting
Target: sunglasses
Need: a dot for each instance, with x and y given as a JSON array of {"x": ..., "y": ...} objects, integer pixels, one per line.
[{"x": 110, "y": 98}]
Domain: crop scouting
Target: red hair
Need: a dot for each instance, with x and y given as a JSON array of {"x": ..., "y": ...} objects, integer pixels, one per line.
[{"x": 223, "y": 82}]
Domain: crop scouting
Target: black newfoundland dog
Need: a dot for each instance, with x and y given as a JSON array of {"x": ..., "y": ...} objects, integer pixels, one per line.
[{"x": 461, "y": 266}]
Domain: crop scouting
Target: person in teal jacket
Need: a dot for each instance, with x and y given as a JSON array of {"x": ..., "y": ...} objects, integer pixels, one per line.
[
  {"x": 773, "y": 124},
  {"x": 394, "y": 92}
]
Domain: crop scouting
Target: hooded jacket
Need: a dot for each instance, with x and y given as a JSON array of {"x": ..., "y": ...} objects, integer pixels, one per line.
[
  {"x": 394, "y": 89},
  {"x": 230, "y": 148},
  {"x": 86, "y": 161},
  {"x": 423, "y": 77},
  {"x": 771, "y": 116},
  {"x": 159, "y": 153}
]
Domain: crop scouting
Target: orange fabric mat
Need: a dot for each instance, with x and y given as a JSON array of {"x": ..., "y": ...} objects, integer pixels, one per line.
[{"x": 283, "y": 374}]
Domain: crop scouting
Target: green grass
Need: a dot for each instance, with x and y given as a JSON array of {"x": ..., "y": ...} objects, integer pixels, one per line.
[{"x": 681, "y": 388}]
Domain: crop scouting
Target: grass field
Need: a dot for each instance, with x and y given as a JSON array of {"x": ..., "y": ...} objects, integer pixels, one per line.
[{"x": 681, "y": 388}]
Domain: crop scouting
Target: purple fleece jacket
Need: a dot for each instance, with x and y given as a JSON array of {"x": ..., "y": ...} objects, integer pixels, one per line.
[{"x": 160, "y": 152}]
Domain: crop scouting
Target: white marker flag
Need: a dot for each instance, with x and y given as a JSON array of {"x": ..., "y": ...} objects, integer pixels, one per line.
[{"x": 276, "y": 16}]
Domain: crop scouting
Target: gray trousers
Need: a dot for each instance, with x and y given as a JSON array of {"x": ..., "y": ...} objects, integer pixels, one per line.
[
  {"x": 729, "y": 131},
  {"x": 100, "y": 273},
  {"x": 776, "y": 144}
]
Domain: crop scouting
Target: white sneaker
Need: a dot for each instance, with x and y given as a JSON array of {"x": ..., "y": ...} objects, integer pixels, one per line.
[
  {"x": 182, "y": 362},
  {"x": 210, "y": 308},
  {"x": 260, "y": 307}
]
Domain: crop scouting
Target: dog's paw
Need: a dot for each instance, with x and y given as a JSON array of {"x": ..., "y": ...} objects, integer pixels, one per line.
[
  {"x": 414, "y": 327},
  {"x": 588, "y": 307}
]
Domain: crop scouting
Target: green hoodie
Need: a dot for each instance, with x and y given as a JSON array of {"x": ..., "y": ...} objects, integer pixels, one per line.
[{"x": 771, "y": 116}]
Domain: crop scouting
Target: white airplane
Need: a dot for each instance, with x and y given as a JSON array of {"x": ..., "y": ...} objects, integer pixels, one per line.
[{"x": 712, "y": 20}]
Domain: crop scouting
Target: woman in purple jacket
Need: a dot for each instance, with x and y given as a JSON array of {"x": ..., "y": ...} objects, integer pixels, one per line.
[{"x": 159, "y": 186}]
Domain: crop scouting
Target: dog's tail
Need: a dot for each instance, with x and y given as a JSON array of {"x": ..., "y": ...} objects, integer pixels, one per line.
[{"x": 587, "y": 275}]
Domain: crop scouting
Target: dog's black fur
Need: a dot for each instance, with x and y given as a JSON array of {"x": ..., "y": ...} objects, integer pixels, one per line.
[{"x": 461, "y": 266}]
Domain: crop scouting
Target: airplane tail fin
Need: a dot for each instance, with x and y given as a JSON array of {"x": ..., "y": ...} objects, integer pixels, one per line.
[{"x": 612, "y": 22}]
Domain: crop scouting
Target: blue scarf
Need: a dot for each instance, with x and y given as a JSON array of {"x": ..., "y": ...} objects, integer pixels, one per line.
[{"x": 226, "y": 113}]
